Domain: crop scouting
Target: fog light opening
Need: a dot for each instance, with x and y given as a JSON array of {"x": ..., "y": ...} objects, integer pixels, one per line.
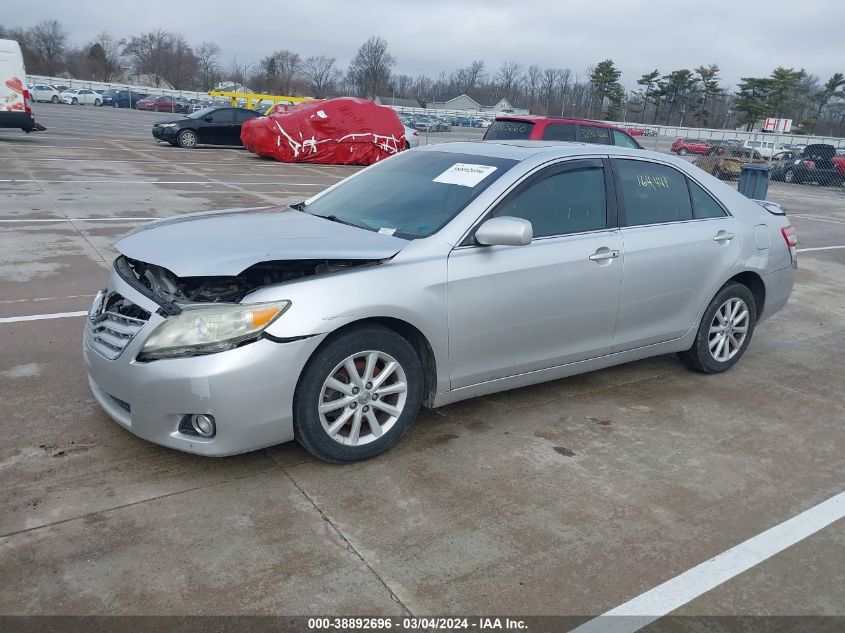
[{"x": 203, "y": 425}]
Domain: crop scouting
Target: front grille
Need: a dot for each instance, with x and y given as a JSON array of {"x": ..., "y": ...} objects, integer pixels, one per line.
[{"x": 119, "y": 322}]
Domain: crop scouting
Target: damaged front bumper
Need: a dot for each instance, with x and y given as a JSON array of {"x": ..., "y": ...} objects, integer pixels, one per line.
[{"x": 248, "y": 390}]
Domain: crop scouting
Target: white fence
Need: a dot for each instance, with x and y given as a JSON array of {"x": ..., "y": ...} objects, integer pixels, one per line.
[
  {"x": 73, "y": 84},
  {"x": 715, "y": 134}
]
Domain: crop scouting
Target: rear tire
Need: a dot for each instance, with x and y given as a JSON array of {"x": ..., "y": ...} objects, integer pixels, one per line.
[
  {"x": 374, "y": 415},
  {"x": 724, "y": 332},
  {"x": 790, "y": 177}
]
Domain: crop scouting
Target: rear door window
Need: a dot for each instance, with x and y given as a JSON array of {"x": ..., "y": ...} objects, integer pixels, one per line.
[
  {"x": 560, "y": 132},
  {"x": 652, "y": 193},
  {"x": 508, "y": 130},
  {"x": 244, "y": 115},
  {"x": 594, "y": 134}
]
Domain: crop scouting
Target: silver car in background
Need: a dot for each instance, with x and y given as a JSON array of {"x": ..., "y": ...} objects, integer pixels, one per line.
[{"x": 443, "y": 273}]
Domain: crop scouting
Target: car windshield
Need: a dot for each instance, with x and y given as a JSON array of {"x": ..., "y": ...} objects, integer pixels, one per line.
[
  {"x": 412, "y": 195},
  {"x": 201, "y": 113}
]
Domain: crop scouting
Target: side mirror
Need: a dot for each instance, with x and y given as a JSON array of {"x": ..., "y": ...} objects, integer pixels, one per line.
[
  {"x": 505, "y": 231},
  {"x": 208, "y": 119}
]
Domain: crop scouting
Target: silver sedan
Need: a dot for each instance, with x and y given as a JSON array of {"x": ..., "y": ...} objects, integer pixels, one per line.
[{"x": 446, "y": 272}]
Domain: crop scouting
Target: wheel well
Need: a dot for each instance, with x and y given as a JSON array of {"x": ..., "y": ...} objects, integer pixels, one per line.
[
  {"x": 755, "y": 284},
  {"x": 417, "y": 340}
]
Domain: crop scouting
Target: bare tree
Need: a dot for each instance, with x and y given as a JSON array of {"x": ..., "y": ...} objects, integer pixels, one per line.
[
  {"x": 370, "y": 68},
  {"x": 548, "y": 85},
  {"x": 163, "y": 55},
  {"x": 401, "y": 85},
  {"x": 533, "y": 79},
  {"x": 209, "y": 67},
  {"x": 287, "y": 65},
  {"x": 49, "y": 39},
  {"x": 509, "y": 78},
  {"x": 422, "y": 87},
  {"x": 321, "y": 74}
]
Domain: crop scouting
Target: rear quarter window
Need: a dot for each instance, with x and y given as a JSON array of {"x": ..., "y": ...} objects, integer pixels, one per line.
[
  {"x": 594, "y": 134},
  {"x": 508, "y": 130}
]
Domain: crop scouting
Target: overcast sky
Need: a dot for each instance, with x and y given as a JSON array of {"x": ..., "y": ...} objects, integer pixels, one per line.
[{"x": 748, "y": 37}]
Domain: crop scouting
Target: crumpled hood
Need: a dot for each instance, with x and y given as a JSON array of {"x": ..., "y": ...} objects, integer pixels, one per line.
[{"x": 225, "y": 243}]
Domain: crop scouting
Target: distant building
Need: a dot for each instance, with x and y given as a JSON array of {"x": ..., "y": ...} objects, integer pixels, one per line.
[
  {"x": 465, "y": 102},
  {"x": 396, "y": 102}
]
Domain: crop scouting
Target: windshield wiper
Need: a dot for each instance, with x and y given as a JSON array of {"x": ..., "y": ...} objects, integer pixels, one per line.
[{"x": 334, "y": 218}]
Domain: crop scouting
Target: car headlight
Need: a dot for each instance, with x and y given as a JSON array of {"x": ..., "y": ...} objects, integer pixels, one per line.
[
  {"x": 206, "y": 330},
  {"x": 167, "y": 125}
]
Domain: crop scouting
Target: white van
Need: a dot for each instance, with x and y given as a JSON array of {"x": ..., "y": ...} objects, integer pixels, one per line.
[
  {"x": 767, "y": 149},
  {"x": 15, "y": 106}
]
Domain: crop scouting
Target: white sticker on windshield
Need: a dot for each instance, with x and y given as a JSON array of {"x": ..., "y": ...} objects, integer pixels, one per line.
[
  {"x": 465, "y": 174},
  {"x": 386, "y": 231}
]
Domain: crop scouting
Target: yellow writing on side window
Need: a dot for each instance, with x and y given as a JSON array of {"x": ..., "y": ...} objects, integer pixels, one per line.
[{"x": 652, "y": 182}]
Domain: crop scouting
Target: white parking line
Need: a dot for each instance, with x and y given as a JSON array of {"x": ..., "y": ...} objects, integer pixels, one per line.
[
  {"x": 675, "y": 593},
  {"x": 810, "y": 217},
  {"x": 42, "y": 317},
  {"x": 165, "y": 182},
  {"x": 81, "y": 220},
  {"x": 820, "y": 248}
]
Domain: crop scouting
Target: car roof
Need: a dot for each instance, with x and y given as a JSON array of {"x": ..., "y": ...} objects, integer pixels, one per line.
[
  {"x": 520, "y": 150},
  {"x": 536, "y": 118}
]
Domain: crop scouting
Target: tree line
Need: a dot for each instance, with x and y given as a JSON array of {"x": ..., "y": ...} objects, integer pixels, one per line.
[{"x": 694, "y": 97}]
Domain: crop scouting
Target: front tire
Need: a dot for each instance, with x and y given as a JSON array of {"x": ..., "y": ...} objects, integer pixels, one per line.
[
  {"x": 358, "y": 395},
  {"x": 97, "y": 103},
  {"x": 75, "y": 101},
  {"x": 724, "y": 332},
  {"x": 54, "y": 99},
  {"x": 187, "y": 139},
  {"x": 790, "y": 177},
  {"x": 682, "y": 151}
]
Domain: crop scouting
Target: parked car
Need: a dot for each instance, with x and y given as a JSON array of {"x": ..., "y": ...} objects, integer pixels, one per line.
[
  {"x": 182, "y": 105},
  {"x": 814, "y": 165},
  {"x": 211, "y": 126},
  {"x": 725, "y": 161},
  {"x": 635, "y": 131},
  {"x": 684, "y": 146},
  {"x": 447, "y": 272},
  {"x": 412, "y": 137},
  {"x": 539, "y": 128},
  {"x": 44, "y": 93},
  {"x": 122, "y": 98},
  {"x": 766, "y": 147},
  {"x": 82, "y": 96},
  {"x": 158, "y": 103}
]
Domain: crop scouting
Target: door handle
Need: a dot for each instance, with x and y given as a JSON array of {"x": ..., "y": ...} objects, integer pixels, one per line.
[
  {"x": 602, "y": 255},
  {"x": 722, "y": 236}
]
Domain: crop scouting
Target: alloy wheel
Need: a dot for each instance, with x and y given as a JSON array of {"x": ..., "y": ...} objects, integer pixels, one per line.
[
  {"x": 187, "y": 139},
  {"x": 362, "y": 398},
  {"x": 728, "y": 330}
]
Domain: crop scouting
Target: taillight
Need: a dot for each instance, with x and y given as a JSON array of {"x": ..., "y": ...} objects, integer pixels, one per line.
[
  {"x": 808, "y": 164},
  {"x": 27, "y": 102},
  {"x": 790, "y": 235}
]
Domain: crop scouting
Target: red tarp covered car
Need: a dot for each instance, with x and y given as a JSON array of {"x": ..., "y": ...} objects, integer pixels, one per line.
[{"x": 344, "y": 131}]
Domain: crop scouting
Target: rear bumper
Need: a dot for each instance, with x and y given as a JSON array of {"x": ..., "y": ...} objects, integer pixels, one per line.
[{"x": 22, "y": 120}]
